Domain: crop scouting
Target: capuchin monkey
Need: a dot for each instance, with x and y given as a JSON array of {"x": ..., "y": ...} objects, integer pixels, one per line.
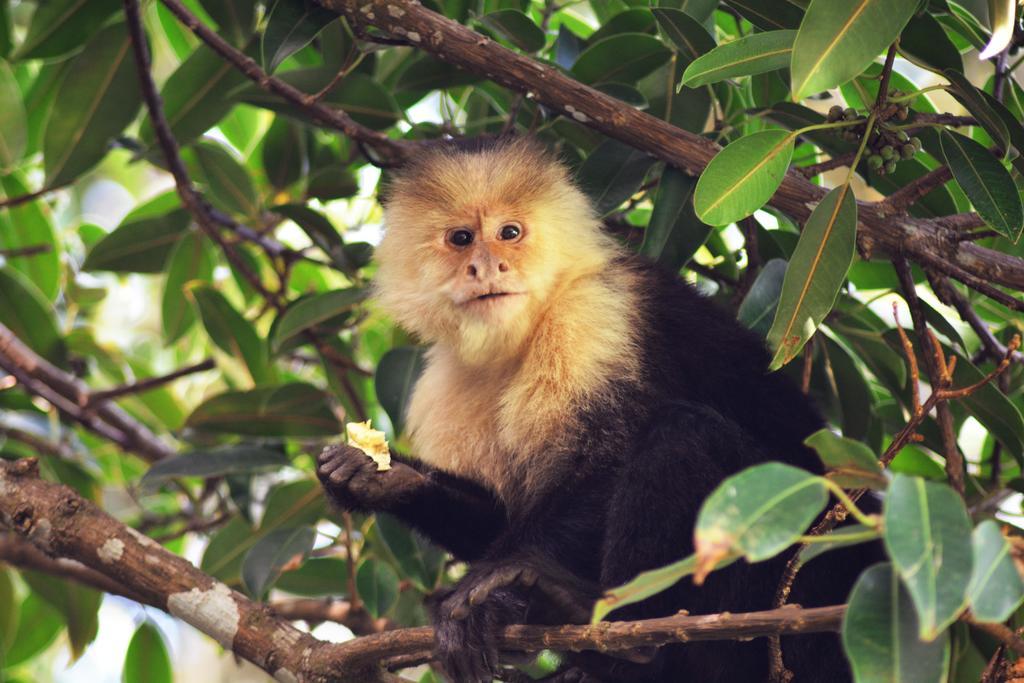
[{"x": 578, "y": 405}]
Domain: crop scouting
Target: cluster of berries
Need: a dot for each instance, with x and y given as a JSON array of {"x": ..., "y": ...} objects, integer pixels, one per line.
[{"x": 886, "y": 145}]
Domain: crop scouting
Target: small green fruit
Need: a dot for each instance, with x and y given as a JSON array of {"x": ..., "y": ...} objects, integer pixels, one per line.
[
  {"x": 888, "y": 152},
  {"x": 835, "y": 113},
  {"x": 875, "y": 162},
  {"x": 850, "y": 114},
  {"x": 908, "y": 151},
  {"x": 890, "y": 166},
  {"x": 916, "y": 142}
]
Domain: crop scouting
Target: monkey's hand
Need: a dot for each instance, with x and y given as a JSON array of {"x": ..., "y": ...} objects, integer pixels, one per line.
[
  {"x": 352, "y": 480},
  {"x": 468, "y": 618}
]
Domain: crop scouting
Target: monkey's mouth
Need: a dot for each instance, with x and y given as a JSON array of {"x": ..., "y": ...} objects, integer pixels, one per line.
[{"x": 493, "y": 296}]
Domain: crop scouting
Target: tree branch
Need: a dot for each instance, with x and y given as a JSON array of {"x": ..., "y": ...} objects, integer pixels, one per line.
[
  {"x": 905, "y": 197},
  {"x": 147, "y": 384},
  {"x": 22, "y": 252},
  {"x": 67, "y": 393},
  {"x": 949, "y": 295},
  {"x": 61, "y": 524},
  {"x": 925, "y": 241},
  {"x": 387, "y": 152}
]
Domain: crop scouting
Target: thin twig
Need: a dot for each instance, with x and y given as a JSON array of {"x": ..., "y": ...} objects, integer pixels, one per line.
[
  {"x": 949, "y": 295},
  {"x": 903, "y": 198},
  {"x": 12, "y": 202},
  {"x": 812, "y": 170},
  {"x": 147, "y": 384},
  {"x": 22, "y": 252}
]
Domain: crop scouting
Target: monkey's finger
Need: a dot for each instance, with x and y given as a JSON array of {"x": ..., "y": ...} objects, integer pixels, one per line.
[
  {"x": 329, "y": 466},
  {"x": 345, "y": 472}
]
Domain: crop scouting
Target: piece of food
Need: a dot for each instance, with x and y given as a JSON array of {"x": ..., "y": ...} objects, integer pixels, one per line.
[{"x": 369, "y": 441}]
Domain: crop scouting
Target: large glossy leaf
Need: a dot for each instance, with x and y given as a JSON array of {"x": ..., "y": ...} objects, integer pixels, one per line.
[
  {"x": 758, "y": 307},
  {"x": 996, "y": 589},
  {"x": 9, "y": 604},
  {"x": 79, "y": 606},
  {"x": 377, "y": 584},
  {"x": 284, "y": 153},
  {"x": 147, "y": 660},
  {"x": 396, "y": 375},
  {"x": 326, "y": 576},
  {"x": 29, "y": 225},
  {"x": 757, "y": 513},
  {"x": 313, "y": 311},
  {"x": 622, "y": 58},
  {"x": 235, "y": 18},
  {"x": 1003, "y": 16},
  {"x": 612, "y": 173},
  {"x": 515, "y": 27},
  {"x": 192, "y": 261},
  {"x": 272, "y": 554},
  {"x": 196, "y": 96},
  {"x": 60, "y": 26},
  {"x": 688, "y": 35},
  {"x": 674, "y": 232},
  {"x": 228, "y": 184},
  {"x": 880, "y": 634},
  {"x": 632, "y": 20},
  {"x": 928, "y": 536},
  {"x": 753, "y": 54},
  {"x": 140, "y": 245},
  {"x": 294, "y": 410},
  {"x": 29, "y": 315},
  {"x": 13, "y": 123},
  {"x": 214, "y": 462},
  {"x": 46, "y": 623},
  {"x": 815, "y": 273},
  {"x": 768, "y": 15},
  {"x": 850, "y": 463},
  {"x": 837, "y": 40},
  {"x": 925, "y": 40},
  {"x": 291, "y": 25},
  {"x": 232, "y": 332},
  {"x": 99, "y": 96},
  {"x": 978, "y": 106},
  {"x": 418, "y": 559},
  {"x": 743, "y": 177},
  {"x": 987, "y": 183}
]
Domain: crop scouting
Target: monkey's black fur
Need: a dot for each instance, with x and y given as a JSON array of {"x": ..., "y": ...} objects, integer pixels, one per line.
[{"x": 625, "y": 501}]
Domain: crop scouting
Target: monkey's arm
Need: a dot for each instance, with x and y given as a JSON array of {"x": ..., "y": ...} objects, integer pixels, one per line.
[{"x": 453, "y": 512}]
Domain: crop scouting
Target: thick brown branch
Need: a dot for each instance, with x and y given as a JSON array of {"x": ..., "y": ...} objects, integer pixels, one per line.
[
  {"x": 387, "y": 152},
  {"x": 61, "y": 524},
  {"x": 924, "y": 241},
  {"x": 66, "y": 392}
]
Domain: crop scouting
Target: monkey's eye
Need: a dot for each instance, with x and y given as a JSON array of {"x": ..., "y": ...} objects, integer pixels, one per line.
[
  {"x": 460, "y": 237},
  {"x": 509, "y": 232}
]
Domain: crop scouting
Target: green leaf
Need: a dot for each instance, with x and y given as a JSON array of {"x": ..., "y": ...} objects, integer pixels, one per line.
[
  {"x": 632, "y": 20},
  {"x": 271, "y": 554},
  {"x": 843, "y": 537},
  {"x": 743, "y": 177},
  {"x": 223, "y": 556},
  {"x": 768, "y": 15},
  {"x": 60, "y": 26},
  {"x": 99, "y": 96},
  {"x": 147, "y": 660},
  {"x": 196, "y": 96},
  {"x": 928, "y": 536},
  {"x": 758, "y": 307},
  {"x": 313, "y": 311},
  {"x": 837, "y": 41},
  {"x": 925, "y": 40},
  {"x": 232, "y": 332},
  {"x": 850, "y": 464},
  {"x": 139, "y": 245},
  {"x": 228, "y": 185},
  {"x": 287, "y": 410},
  {"x": 1003, "y": 17},
  {"x": 29, "y": 315},
  {"x": 46, "y": 623},
  {"x": 79, "y": 606},
  {"x": 815, "y": 273},
  {"x": 214, "y": 462},
  {"x": 856, "y": 399},
  {"x": 192, "y": 261},
  {"x": 753, "y": 54},
  {"x": 978, "y": 106},
  {"x": 377, "y": 584},
  {"x": 419, "y": 561},
  {"x": 688, "y": 35},
  {"x": 320, "y": 232},
  {"x": 880, "y": 634},
  {"x": 394, "y": 380},
  {"x": 28, "y": 225},
  {"x": 990, "y": 406},
  {"x": 284, "y": 153},
  {"x": 235, "y": 18},
  {"x": 996, "y": 589},
  {"x": 674, "y": 233},
  {"x": 986, "y": 182},
  {"x": 624, "y": 58},
  {"x": 9, "y": 605},
  {"x": 757, "y": 513},
  {"x": 612, "y": 173},
  {"x": 291, "y": 25},
  {"x": 327, "y": 576},
  {"x": 516, "y": 28},
  {"x": 13, "y": 122},
  {"x": 649, "y": 583}
]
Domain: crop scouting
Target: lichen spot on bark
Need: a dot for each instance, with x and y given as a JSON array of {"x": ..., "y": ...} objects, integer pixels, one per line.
[
  {"x": 214, "y": 612},
  {"x": 111, "y": 551}
]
